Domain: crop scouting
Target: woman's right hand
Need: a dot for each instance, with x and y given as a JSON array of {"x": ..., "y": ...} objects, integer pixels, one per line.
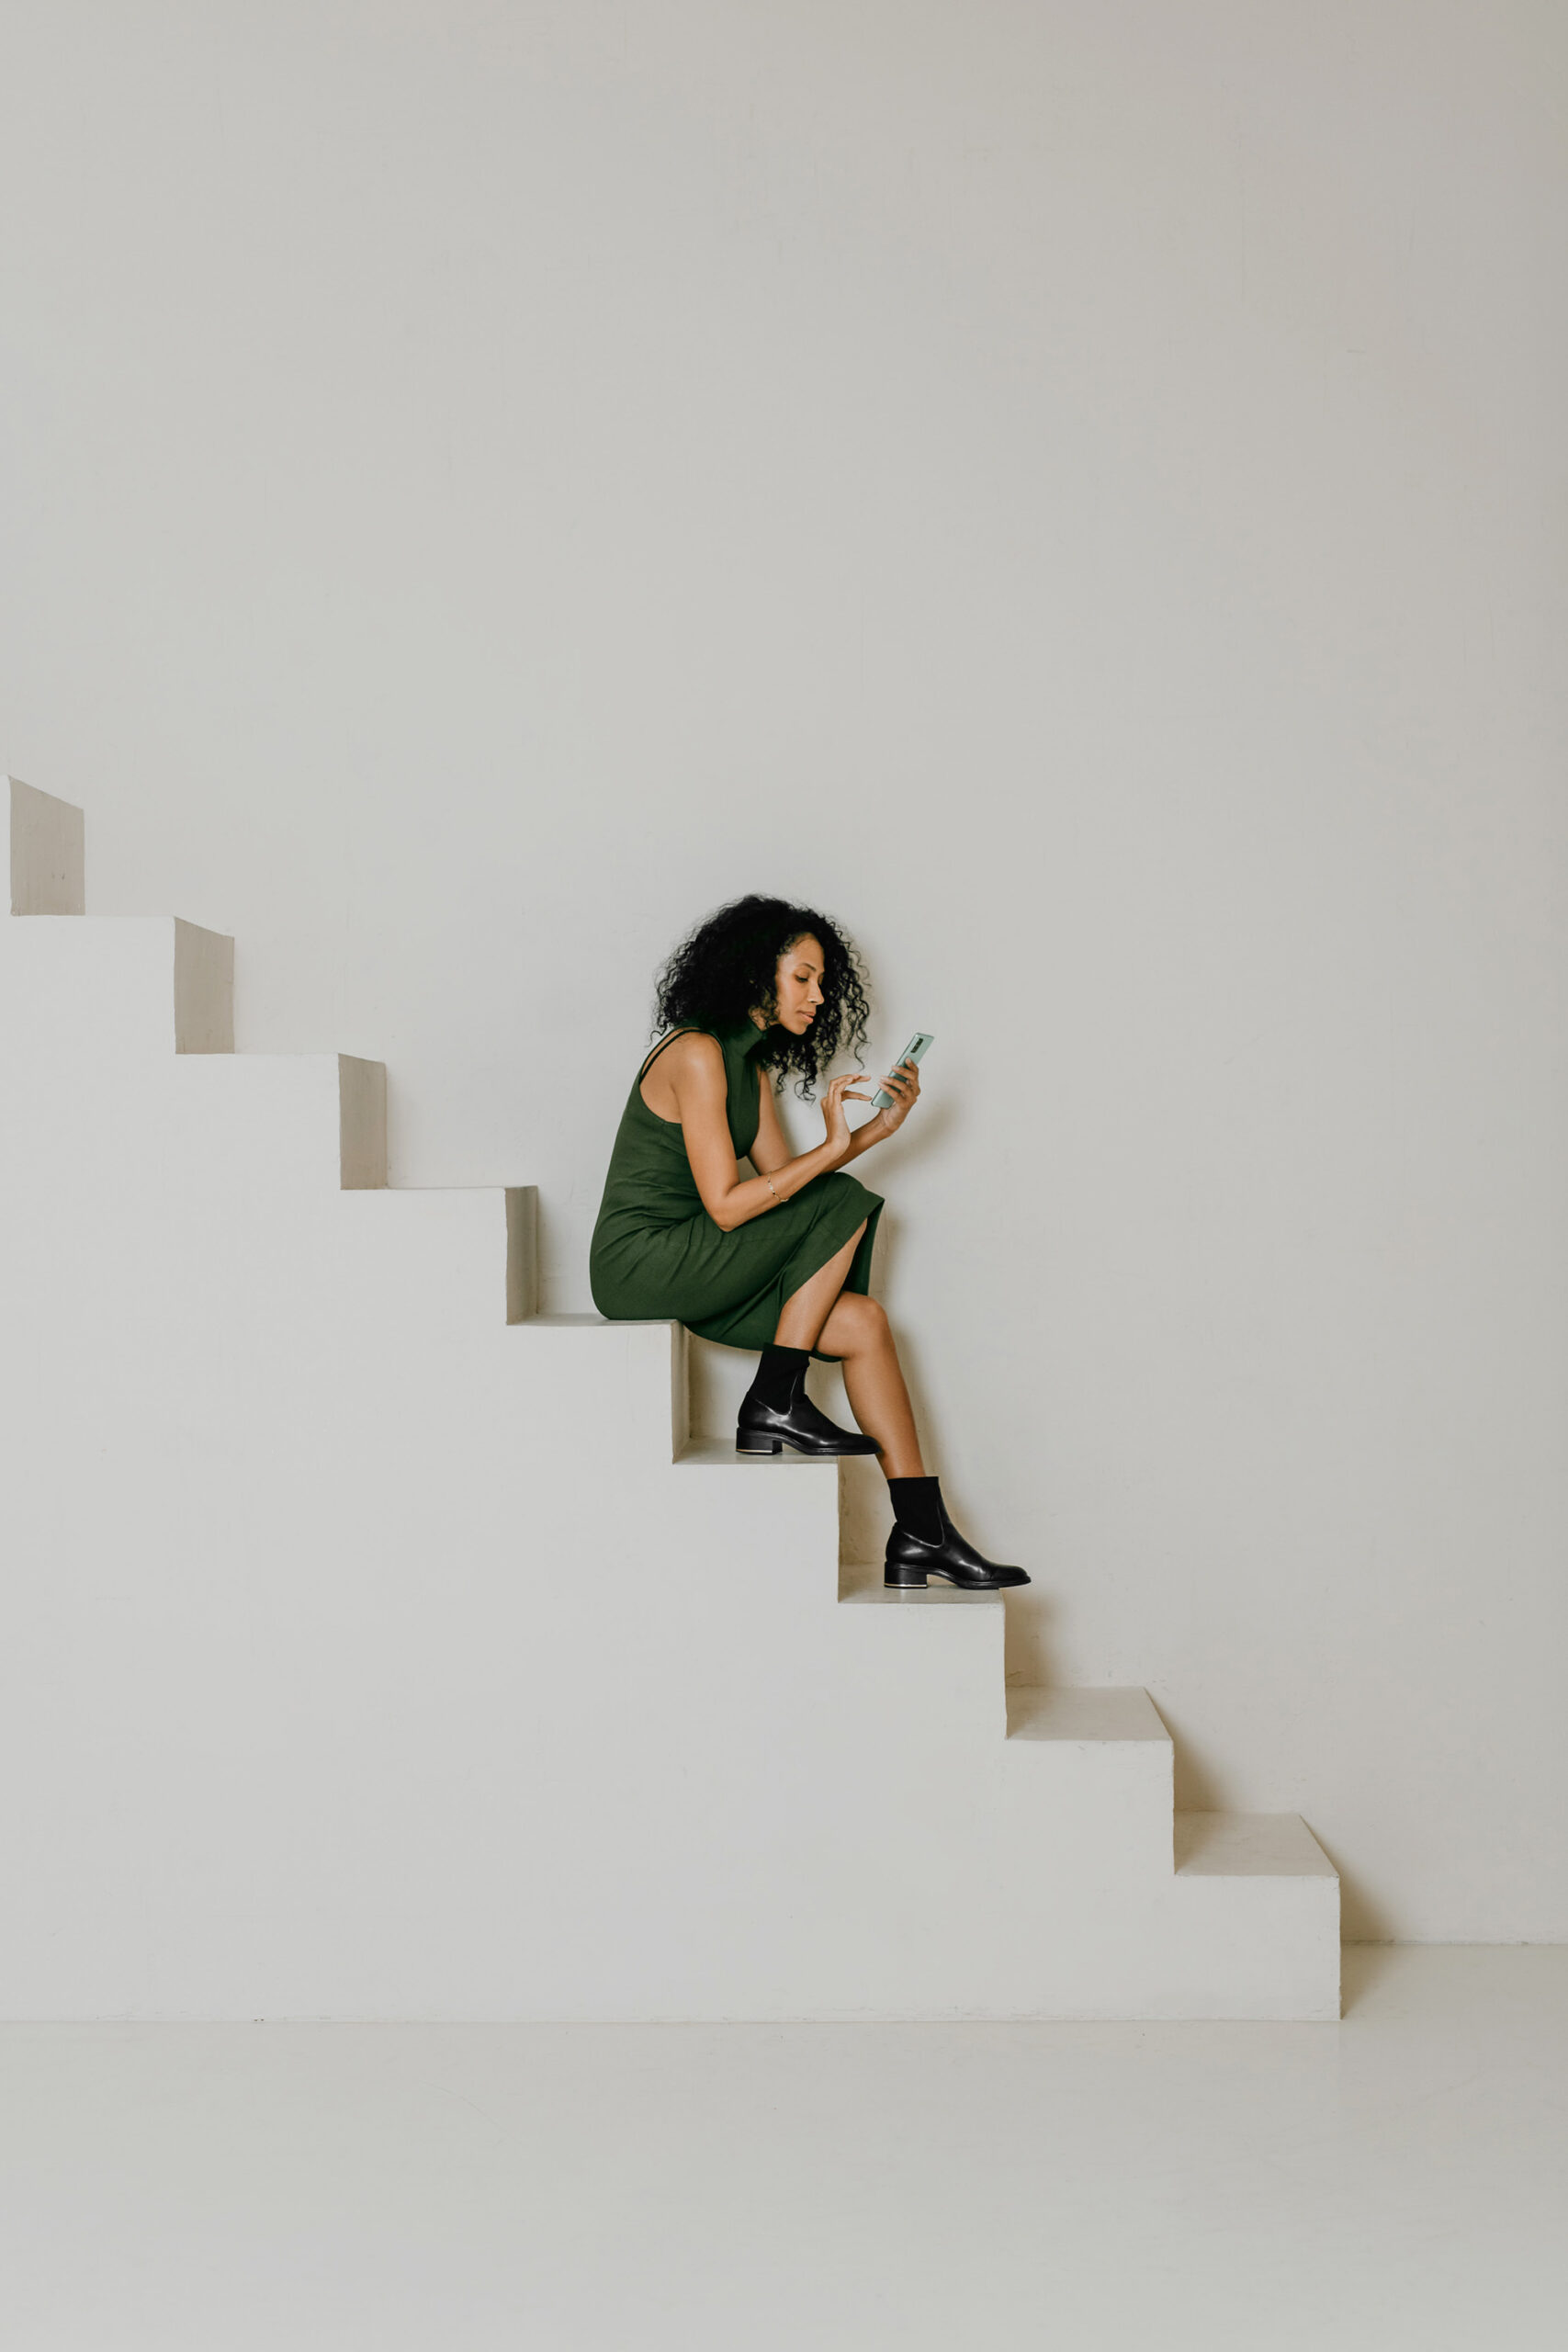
[{"x": 839, "y": 1091}]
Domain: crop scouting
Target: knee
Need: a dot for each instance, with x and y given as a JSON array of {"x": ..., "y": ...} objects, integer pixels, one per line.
[{"x": 865, "y": 1321}]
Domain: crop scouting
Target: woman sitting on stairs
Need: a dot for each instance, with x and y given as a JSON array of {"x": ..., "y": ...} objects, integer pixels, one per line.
[{"x": 780, "y": 1260}]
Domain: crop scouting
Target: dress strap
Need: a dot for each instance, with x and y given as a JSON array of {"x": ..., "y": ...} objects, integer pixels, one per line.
[{"x": 689, "y": 1030}]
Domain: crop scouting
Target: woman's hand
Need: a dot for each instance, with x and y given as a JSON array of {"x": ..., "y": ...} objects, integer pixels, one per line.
[
  {"x": 904, "y": 1086},
  {"x": 839, "y": 1091}
]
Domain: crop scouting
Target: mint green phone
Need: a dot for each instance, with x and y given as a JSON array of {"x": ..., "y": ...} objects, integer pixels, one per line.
[{"x": 882, "y": 1100}]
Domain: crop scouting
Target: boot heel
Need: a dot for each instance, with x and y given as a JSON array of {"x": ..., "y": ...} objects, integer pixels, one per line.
[
  {"x": 748, "y": 1441},
  {"x": 908, "y": 1578}
]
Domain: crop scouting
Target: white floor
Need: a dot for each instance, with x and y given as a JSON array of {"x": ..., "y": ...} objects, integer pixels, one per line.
[{"x": 1400, "y": 2179}]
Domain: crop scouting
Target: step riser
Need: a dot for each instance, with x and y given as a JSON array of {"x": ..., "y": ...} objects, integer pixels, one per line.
[{"x": 1124, "y": 1785}]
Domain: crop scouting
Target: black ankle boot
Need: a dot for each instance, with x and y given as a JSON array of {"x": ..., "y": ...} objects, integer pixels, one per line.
[
  {"x": 925, "y": 1543},
  {"x": 776, "y": 1411}
]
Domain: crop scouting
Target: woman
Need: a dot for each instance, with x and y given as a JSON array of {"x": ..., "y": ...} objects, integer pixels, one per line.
[{"x": 780, "y": 1260}]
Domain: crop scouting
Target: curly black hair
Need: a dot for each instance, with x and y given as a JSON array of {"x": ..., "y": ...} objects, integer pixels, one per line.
[{"x": 727, "y": 966}]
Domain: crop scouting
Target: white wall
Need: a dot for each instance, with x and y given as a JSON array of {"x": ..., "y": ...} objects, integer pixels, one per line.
[{"x": 1075, "y": 488}]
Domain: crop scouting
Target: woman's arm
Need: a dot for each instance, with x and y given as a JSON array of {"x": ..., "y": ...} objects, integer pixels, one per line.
[
  {"x": 696, "y": 1068},
  {"x": 771, "y": 1152},
  {"x": 862, "y": 1138}
]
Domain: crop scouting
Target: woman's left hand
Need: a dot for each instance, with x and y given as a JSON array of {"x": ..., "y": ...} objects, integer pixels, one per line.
[{"x": 904, "y": 1085}]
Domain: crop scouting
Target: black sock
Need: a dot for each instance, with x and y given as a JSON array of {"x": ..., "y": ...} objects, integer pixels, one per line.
[
  {"x": 777, "y": 1371},
  {"x": 917, "y": 1506}
]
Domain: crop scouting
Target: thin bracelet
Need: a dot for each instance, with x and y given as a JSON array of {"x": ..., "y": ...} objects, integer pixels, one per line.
[{"x": 772, "y": 1187}]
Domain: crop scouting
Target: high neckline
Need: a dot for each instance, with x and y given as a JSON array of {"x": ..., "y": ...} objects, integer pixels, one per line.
[{"x": 745, "y": 1033}]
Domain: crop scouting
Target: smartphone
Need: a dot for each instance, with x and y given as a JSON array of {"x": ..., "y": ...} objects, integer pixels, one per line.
[{"x": 882, "y": 1100}]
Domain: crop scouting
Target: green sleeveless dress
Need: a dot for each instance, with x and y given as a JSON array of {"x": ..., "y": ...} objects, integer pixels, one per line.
[{"x": 655, "y": 1251}]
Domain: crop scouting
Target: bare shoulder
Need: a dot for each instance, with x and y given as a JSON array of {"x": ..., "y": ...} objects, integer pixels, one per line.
[
  {"x": 693, "y": 1051},
  {"x": 688, "y": 1070}
]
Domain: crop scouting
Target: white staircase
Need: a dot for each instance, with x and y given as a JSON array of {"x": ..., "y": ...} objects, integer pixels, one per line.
[{"x": 376, "y": 1646}]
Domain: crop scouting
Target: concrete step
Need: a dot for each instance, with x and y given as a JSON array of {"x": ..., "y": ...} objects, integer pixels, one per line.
[
  {"x": 1248, "y": 1845},
  {"x": 1104, "y": 1751},
  {"x": 1040, "y": 1710},
  {"x": 117, "y": 990}
]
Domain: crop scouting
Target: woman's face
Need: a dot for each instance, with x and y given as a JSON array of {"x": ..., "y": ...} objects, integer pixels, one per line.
[{"x": 798, "y": 984}]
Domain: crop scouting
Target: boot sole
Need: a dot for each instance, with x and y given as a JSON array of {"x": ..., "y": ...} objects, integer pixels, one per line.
[{"x": 912, "y": 1583}]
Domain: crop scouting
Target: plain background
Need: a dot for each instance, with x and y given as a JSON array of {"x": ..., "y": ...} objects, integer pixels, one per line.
[{"x": 1074, "y": 491}]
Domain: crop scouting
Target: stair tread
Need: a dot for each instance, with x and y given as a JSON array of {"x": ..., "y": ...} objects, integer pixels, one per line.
[
  {"x": 1088, "y": 1713},
  {"x": 1248, "y": 1845}
]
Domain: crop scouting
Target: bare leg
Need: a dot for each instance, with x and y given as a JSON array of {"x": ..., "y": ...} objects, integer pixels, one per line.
[
  {"x": 857, "y": 1331},
  {"x": 805, "y": 1310}
]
